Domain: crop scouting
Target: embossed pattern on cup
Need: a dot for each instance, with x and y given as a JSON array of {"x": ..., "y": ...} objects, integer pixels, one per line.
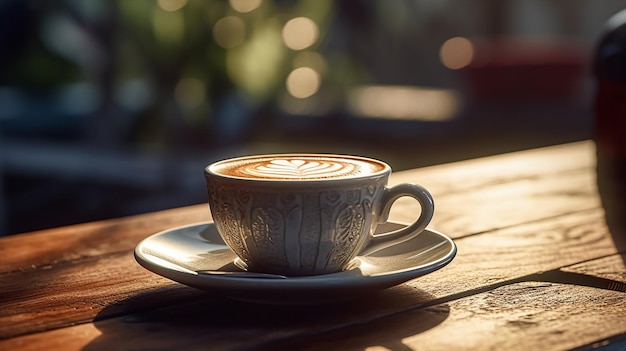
[
  {"x": 305, "y": 214},
  {"x": 291, "y": 232}
]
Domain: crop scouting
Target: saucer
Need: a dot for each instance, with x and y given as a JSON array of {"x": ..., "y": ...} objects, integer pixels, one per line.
[{"x": 179, "y": 253}]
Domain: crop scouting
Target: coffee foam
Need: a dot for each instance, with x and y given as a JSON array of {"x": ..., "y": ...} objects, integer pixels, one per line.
[{"x": 298, "y": 167}]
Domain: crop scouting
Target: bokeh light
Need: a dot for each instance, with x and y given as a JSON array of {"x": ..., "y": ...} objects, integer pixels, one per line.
[
  {"x": 244, "y": 6},
  {"x": 303, "y": 82},
  {"x": 229, "y": 32},
  {"x": 300, "y": 33},
  {"x": 404, "y": 102},
  {"x": 456, "y": 53},
  {"x": 190, "y": 92},
  {"x": 171, "y": 5}
]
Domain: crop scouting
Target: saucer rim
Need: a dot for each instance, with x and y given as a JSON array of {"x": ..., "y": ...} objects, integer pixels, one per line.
[{"x": 341, "y": 283}]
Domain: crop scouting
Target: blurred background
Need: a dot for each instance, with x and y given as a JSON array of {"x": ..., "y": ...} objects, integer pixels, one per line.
[{"x": 113, "y": 108}]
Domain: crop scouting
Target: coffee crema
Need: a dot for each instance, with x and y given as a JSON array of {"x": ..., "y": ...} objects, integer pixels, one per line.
[{"x": 298, "y": 167}]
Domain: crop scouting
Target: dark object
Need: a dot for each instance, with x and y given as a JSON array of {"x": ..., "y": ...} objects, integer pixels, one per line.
[{"x": 610, "y": 123}]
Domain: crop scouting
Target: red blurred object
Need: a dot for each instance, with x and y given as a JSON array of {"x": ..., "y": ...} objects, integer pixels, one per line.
[{"x": 522, "y": 69}]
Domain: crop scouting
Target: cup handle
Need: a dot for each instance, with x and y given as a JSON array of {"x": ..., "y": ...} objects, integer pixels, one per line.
[{"x": 381, "y": 241}]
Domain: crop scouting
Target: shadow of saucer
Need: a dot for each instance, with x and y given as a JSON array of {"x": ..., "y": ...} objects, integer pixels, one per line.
[
  {"x": 198, "y": 320},
  {"x": 387, "y": 333}
]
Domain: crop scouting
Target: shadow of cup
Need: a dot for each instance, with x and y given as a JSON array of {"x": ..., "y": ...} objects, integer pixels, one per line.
[{"x": 197, "y": 320}]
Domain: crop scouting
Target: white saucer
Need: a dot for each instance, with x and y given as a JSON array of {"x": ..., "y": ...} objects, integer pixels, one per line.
[{"x": 179, "y": 253}]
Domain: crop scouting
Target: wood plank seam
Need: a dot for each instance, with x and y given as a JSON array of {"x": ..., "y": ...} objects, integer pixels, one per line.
[
  {"x": 509, "y": 180},
  {"x": 448, "y": 298},
  {"x": 554, "y": 276},
  {"x": 536, "y": 220}
]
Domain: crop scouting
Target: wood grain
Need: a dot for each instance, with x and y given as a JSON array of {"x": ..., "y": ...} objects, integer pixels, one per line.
[
  {"x": 470, "y": 175},
  {"x": 50, "y": 298},
  {"x": 612, "y": 267},
  {"x": 66, "y": 244},
  {"x": 537, "y": 315},
  {"x": 512, "y": 216},
  {"x": 97, "y": 238},
  {"x": 526, "y": 186},
  {"x": 467, "y": 212},
  {"x": 523, "y": 316},
  {"x": 215, "y": 324}
]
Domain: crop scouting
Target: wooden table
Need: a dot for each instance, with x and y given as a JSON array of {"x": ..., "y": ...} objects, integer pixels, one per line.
[{"x": 531, "y": 238}]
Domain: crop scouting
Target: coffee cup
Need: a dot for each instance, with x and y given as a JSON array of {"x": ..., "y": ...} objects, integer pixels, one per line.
[{"x": 307, "y": 214}]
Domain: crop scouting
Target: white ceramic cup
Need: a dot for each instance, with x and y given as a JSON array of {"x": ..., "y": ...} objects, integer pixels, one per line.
[{"x": 307, "y": 214}]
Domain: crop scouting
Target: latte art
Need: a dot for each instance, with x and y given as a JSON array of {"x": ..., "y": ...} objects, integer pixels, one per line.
[{"x": 298, "y": 167}]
